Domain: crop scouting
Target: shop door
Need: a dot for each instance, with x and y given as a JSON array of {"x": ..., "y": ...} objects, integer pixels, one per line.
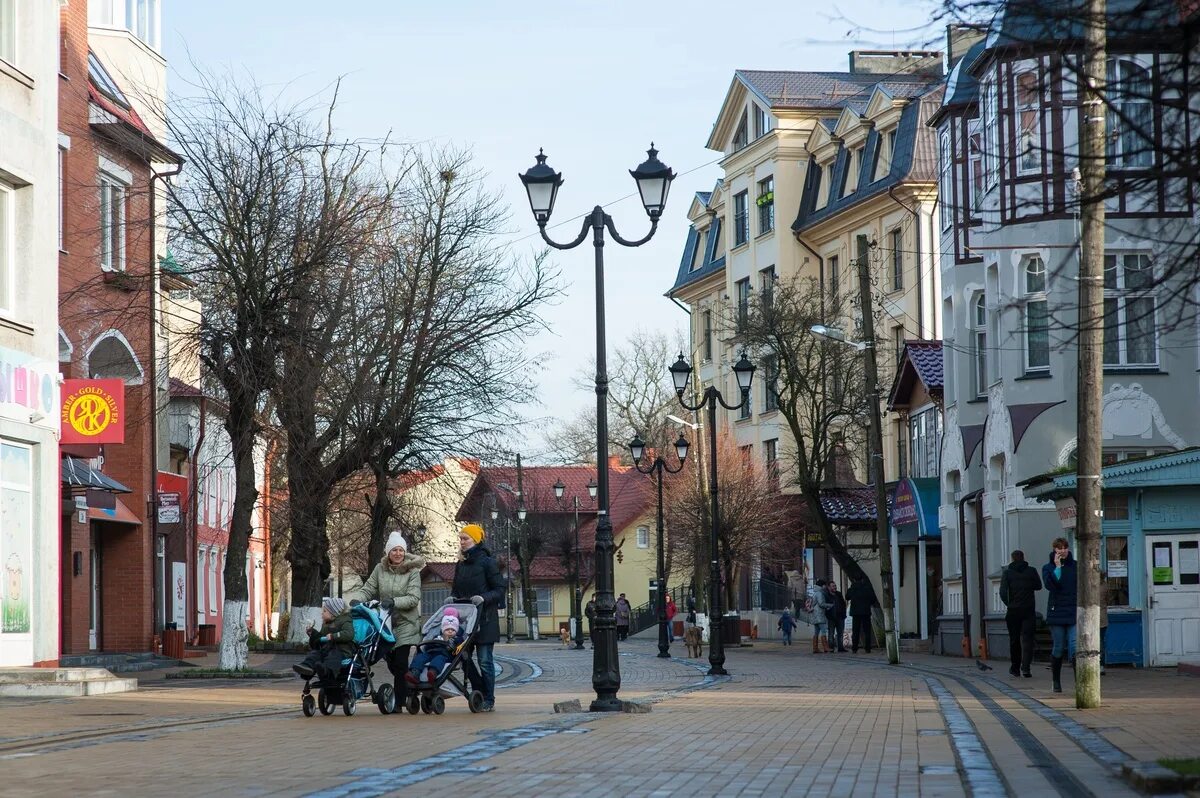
[{"x": 1174, "y": 598}]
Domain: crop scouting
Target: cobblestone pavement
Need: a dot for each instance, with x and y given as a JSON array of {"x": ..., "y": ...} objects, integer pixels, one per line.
[{"x": 785, "y": 723}]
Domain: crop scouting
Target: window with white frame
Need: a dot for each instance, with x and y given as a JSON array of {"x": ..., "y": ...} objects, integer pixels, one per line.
[
  {"x": 643, "y": 537},
  {"x": 1130, "y": 115},
  {"x": 112, "y": 223},
  {"x": 741, "y": 218},
  {"x": 212, "y": 579},
  {"x": 770, "y": 382},
  {"x": 945, "y": 179},
  {"x": 698, "y": 251},
  {"x": 979, "y": 326},
  {"x": 766, "y": 205},
  {"x": 142, "y": 18},
  {"x": 834, "y": 277},
  {"x": 771, "y": 461},
  {"x": 975, "y": 167},
  {"x": 717, "y": 232},
  {"x": 201, "y": 580},
  {"x": 762, "y": 121},
  {"x": 544, "y": 602},
  {"x": 8, "y": 31},
  {"x": 742, "y": 290},
  {"x": 1130, "y": 311},
  {"x": 823, "y": 175},
  {"x": 884, "y": 154},
  {"x": 925, "y": 441},
  {"x": 1037, "y": 315},
  {"x": 1029, "y": 125},
  {"x": 991, "y": 125},
  {"x": 8, "y": 232},
  {"x": 853, "y": 167},
  {"x": 896, "y": 239},
  {"x": 766, "y": 285},
  {"x": 708, "y": 335},
  {"x": 742, "y": 136}
]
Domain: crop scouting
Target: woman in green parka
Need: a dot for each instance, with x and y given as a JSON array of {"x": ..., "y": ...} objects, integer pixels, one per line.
[{"x": 396, "y": 581}]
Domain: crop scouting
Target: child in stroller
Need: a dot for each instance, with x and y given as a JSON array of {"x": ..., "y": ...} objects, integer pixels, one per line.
[
  {"x": 435, "y": 655},
  {"x": 429, "y": 696},
  {"x": 345, "y": 674}
]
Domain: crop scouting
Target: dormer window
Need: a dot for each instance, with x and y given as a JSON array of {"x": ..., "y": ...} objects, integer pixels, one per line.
[
  {"x": 742, "y": 137},
  {"x": 883, "y": 156},
  {"x": 762, "y": 122},
  {"x": 823, "y": 175},
  {"x": 853, "y": 167}
]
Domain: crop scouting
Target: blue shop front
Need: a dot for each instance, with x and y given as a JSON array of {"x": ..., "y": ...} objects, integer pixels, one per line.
[
  {"x": 916, "y": 541},
  {"x": 1150, "y": 554}
]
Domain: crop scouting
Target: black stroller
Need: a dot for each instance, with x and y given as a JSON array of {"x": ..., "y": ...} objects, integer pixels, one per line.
[
  {"x": 373, "y": 639},
  {"x": 430, "y": 697}
]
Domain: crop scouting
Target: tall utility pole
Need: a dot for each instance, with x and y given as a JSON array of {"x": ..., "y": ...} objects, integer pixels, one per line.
[
  {"x": 876, "y": 450},
  {"x": 1092, "y": 153}
]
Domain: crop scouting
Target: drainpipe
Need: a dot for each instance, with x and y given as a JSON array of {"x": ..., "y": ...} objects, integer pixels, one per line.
[
  {"x": 153, "y": 511},
  {"x": 983, "y": 646},
  {"x": 962, "y": 562},
  {"x": 935, "y": 299},
  {"x": 820, "y": 270},
  {"x": 920, "y": 290}
]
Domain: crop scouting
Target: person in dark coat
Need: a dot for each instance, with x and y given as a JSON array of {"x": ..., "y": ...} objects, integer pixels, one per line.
[
  {"x": 860, "y": 597},
  {"x": 1061, "y": 581},
  {"x": 477, "y": 579},
  {"x": 621, "y": 615},
  {"x": 837, "y": 617},
  {"x": 1018, "y": 583}
]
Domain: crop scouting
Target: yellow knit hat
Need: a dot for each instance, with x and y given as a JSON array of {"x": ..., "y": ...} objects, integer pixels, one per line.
[{"x": 474, "y": 532}]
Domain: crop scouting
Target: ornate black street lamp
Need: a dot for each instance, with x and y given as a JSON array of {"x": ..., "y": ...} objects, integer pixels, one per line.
[
  {"x": 577, "y": 609},
  {"x": 541, "y": 184},
  {"x": 681, "y": 372},
  {"x": 508, "y": 594},
  {"x": 638, "y": 448}
]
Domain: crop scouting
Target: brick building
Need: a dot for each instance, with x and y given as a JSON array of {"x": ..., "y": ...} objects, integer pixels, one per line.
[{"x": 114, "y": 581}]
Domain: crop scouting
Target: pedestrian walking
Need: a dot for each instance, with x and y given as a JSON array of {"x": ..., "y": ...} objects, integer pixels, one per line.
[
  {"x": 621, "y": 612},
  {"x": 590, "y": 613},
  {"x": 837, "y": 617},
  {"x": 671, "y": 612},
  {"x": 477, "y": 579},
  {"x": 1061, "y": 581},
  {"x": 860, "y": 598},
  {"x": 786, "y": 624},
  {"x": 818, "y": 605},
  {"x": 1018, "y": 584},
  {"x": 396, "y": 583}
]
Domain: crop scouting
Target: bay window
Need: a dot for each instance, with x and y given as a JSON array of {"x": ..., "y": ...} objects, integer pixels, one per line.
[
  {"x": 945, "y": 178},
  {"x": 1029, "y": 112}
]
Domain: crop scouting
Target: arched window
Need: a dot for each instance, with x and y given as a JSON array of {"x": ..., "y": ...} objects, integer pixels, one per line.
[
  {"x": 65, "y": 348},
  {"x": 112, "y": 356},
  {"x": 979, "y": 325},
  {"x": 1029, "y": 123},
  {"x": 1037, "y": 317}
]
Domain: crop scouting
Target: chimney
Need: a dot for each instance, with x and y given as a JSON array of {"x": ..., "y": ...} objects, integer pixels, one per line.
[
  {"x": 614, "y": 463},
  {"x": 959, "y": 39},
  {"x": 888, "y": 63}
]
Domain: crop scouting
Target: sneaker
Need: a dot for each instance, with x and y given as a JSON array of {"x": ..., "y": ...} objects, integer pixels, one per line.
[
  {"x": 303, "y": 671},
  {"x": 488, "y": 706},
  {"x": 1026, "y": 674},
  {"x": 1014, "y": 671}
]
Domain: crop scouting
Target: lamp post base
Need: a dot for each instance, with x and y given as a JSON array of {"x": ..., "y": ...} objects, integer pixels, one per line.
[
  {"x": 717, "y": 671},
  {"x": 606, "y": 704}
]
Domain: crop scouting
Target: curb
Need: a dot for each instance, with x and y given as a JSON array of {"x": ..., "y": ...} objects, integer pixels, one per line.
[
  {"x": 1189, "y": 668},
  {"x": 1156, "y": 779}
]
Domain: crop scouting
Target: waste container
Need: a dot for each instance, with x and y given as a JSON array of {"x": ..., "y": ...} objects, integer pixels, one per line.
[
  {"x": 208, "y": 634},
  {"x": 731, "y": 629},
  {"x": 173, "y": 643}
]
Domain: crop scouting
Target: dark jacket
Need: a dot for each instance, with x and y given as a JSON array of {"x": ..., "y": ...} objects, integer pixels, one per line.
[
  {"x": 1061, "y": 603},
  {"x": 786, "y": 622},
  {"x": 860, "y": 596},
  {"x": 479, "y": 575},
  {"x": 340, "y": 631},
  {"x": 837, "y": 607},
  {"x": 1018, "y": 583}
]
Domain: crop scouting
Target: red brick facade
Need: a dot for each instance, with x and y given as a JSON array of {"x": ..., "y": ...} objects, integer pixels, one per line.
[{"x": 94, "y": 304}]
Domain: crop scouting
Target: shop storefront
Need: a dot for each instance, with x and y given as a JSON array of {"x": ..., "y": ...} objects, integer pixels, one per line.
[
  {"x": 1150, "y": 555},
  {"x": 917, "y": 554}
]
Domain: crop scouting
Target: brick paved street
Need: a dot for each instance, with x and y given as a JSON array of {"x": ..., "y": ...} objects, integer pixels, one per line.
[{"x": 786, "y": 723}]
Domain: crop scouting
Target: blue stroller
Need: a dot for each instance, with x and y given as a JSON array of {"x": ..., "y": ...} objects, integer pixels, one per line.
[{"x": 373, "y": 639}]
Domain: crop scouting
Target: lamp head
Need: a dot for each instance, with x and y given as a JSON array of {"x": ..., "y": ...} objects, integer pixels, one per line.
[
  {"x": 681, "y": 447},
  {"x": 654, "y": 182},
  {"x": 744, "y": 371},
  {"x": 593, "y": 488},
  {"x": 637, "y": 447},
  {"x": 559, "y": 489},
  {"x": 541, "y": 184},
  {"x": 681, "y": 373}
]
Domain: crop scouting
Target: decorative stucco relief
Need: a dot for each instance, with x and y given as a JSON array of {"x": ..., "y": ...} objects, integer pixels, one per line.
[
  {"x": 998, "y": 437},
  {"x": 1133, "y": 413},
  {"x": 952, "y": 444}
]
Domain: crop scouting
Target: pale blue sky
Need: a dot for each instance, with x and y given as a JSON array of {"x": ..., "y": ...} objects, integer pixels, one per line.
[{"x": 593, "y": 83}]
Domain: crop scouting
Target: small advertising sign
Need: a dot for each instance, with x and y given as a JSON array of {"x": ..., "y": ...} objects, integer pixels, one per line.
[
  {"x": 93, "y": 411},
  {"x": 1066, "y": 512},
  {"x": 168, "y": 508},
  {"x": 904, "y": 504}
]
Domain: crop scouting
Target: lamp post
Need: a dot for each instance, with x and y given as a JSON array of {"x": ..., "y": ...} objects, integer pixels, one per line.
[
  {"x": 638, "y": 448},
  {"x": 577, "y": 609},
  {"x": 508, "y": 594},
  {"x": 541, "y": 182},
  {"x": 681, "y": 372}
]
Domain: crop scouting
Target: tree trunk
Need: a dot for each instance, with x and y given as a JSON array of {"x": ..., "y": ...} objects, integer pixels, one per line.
[
  {"x": 381, "y": 512},
  {"x": 306, "y": 553},
  {"x": 1092, "y": 153},
  {"x": 530, "y": 602},
  {"x": 242, "y": 430}
]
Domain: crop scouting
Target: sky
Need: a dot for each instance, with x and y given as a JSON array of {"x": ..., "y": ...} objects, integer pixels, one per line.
[{"x": 592, "y": 83}]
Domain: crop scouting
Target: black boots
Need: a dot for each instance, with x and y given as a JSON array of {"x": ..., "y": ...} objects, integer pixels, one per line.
[{"x": 1056, "y": 664}]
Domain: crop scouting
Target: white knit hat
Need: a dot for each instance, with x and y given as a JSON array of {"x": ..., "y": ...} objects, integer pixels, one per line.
[{"x": 395, "y": 539}]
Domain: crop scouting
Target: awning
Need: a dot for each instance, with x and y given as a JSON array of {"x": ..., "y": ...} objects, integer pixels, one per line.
[
  {"x": 78, "y": 473},
  {"x": 119, "y": 514},
  {"x": 915, "y": 509}
]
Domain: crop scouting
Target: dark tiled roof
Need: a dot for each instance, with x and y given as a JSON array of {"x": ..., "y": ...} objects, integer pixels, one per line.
[
  {"x": 961, "y": 87},
  {"x": 817, "y": 90},
  {"x": 921, "y": 360},
  {"x": 177, "y": 387},
  {"x": 853, "y": 507},
  {"x": 915, "y": 160},
  {"x": 1021, "y": 23},
  {"x": 709, "y": 265}
]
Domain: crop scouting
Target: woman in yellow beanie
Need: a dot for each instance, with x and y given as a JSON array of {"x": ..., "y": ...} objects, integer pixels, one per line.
[{"x": 477, "y": 579}]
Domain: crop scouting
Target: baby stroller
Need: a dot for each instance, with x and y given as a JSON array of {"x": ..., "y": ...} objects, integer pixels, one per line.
[
  {"x": 430, "y": 697},
  {"x": 373, "y": 639}
]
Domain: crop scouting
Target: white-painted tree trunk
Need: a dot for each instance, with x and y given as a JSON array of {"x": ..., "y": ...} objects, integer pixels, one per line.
[
  {"x": 301, "y": 619},
  {"x": 534, "y": 629},
  {"x": 234, "y": 636}
]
